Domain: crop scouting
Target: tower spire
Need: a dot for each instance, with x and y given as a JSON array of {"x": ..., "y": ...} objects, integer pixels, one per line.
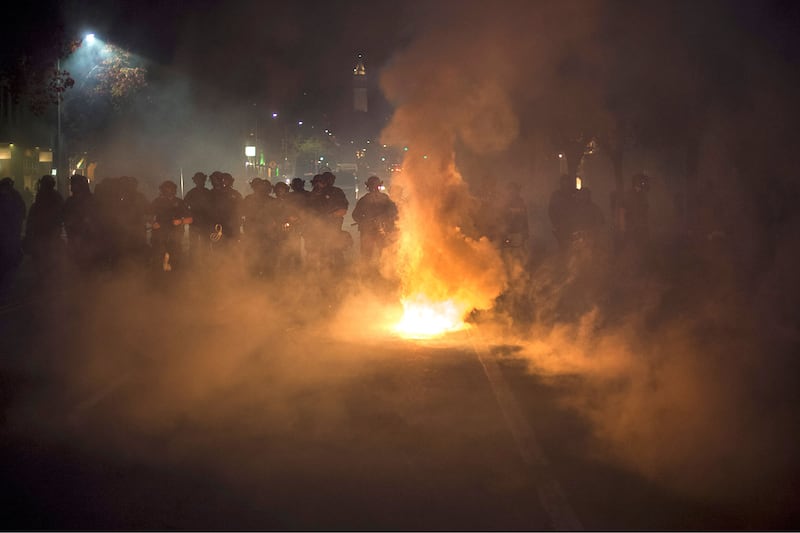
[{"x": 360, "y": 85}]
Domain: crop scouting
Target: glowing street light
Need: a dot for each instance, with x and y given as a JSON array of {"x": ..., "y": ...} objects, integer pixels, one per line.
[
  {"x": 61, "y": 160},
  {"x": 250, "y": 151}
]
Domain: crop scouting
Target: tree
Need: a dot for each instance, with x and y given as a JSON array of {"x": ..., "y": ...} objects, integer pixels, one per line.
[{"x": 102, "y": 94}]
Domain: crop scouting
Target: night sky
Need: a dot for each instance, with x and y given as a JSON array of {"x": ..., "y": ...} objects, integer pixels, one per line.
[
  {"x": 297, "y": 57},
  {"x": 270, "y": 52},
  {"x": 273, "y": 52}
]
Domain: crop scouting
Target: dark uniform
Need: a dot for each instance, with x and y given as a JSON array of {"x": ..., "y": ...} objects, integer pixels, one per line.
[
  {"x": 285, "y": 220},
  {"x": 376, "y": 214},
  {"x": 170, "y": 215},
  {"x": 81, "y": 222},
  {"x": 330, "y": 205},
  {"x": 198, "y": 202},
  {"x": 43, "y": 229},
  {"x": 297, "y": 204},
  {"x": 226, "y": 206},
  {"x": 258, "y": 210},
  {"x": 133, "y": 212}
]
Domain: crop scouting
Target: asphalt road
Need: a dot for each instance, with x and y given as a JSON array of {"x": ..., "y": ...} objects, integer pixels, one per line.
[{"x": 303, "y": 430}]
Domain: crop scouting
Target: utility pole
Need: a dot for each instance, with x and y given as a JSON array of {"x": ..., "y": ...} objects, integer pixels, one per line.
[{"x": 61, "y": 177}]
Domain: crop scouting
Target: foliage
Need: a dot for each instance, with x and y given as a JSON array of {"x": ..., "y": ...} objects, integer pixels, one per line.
[{"x": 117, "y": 77}]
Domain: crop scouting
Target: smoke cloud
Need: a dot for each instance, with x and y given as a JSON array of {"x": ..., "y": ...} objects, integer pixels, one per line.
[
  {"x": 672, "y": 368},
  {"x": 684, "y": 364}
]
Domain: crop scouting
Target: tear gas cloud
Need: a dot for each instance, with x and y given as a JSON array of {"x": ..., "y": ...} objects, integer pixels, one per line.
[
  {"x": 675, "y": 374},
  {"x": 675, "y": 395}
]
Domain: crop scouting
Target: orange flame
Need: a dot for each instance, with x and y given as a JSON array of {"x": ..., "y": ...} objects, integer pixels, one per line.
[
  {"x": 444, "y": 273},
  {"x": 445, "y": 266},
  {"x": 423, "y": 318}
]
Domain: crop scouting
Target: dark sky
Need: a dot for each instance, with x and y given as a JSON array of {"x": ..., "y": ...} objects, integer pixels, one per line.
[
  {"x": 297, "y": 56},
  {"x": 270, "y": 52}
]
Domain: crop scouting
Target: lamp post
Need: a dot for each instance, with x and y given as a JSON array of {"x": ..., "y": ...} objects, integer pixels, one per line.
[
  {"x": 62, "y": 162},
  {"x": 61, "y": 178},
  {"x": 250, "y": 153}
]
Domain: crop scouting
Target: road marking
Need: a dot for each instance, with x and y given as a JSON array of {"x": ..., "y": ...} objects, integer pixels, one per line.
[
  {"x": 91, "y": 401},
  {"x": 13, "y": 306},
  {"x": 551, "y": 495}
]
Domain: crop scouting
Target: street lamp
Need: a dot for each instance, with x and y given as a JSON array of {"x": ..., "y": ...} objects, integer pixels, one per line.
[
  {"x": 250, "y": 154},
  {"x": 62, "y": 169}
]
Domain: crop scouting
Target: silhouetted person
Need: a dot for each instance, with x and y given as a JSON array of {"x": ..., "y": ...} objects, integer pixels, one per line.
[
  {"x": 313, "y": 224},
  {"x": 226, "y": 206},
  {"x": 376, "y": 214},
  {"x": 285, "y": 220},
  {"x": 297, "y": 213},
  {"x": 513, "y": 219},
  {"x": 43, "y": 228},
  {"x": 586, "y": 221},
  {"x": 514, "y": 233},
  {"x": 109, "y": 224},
  {"x": 258, "y": 227},
  {"x": 133, "y": 214},
  {"x": 331, "y": 206},
  {"x": 80, "y": 222},
  {"x": 170, "y": 215},
  {"x": 587, "y": 215},
  {"x": 198, "y": 201}
]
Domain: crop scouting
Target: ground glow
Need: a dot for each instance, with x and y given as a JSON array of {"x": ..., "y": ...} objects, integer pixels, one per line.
[{"x": 423, "y": 318}]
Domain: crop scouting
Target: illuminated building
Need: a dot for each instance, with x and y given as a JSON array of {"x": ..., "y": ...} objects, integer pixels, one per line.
[{"x": 360, "y": 86}]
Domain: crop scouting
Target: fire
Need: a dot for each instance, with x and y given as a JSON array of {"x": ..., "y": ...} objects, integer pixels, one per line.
[{"x": 423, "y": 318}]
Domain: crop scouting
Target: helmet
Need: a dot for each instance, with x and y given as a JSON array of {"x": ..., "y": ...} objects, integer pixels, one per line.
[
  {"x": 47, "y": 182},
  {"x": 226, "y": 180},
  {"x": 199, "y": 178},
  {"x": 77, "y": 184},
  {"x": 128, "y": 182},
  {"x": 373, "y": 182},
  {"x": 281, "y": 188},
  {"x": 328, "y": 178},
  {"x": 216, "y": 179},
  {"x": 298, "y": 184},
  {"x": 75, "y": 179},
  {"x": 168, "y": 185}
]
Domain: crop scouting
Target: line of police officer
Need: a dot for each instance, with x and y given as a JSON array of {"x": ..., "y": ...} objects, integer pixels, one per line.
[{"x": 270, "y": 227}]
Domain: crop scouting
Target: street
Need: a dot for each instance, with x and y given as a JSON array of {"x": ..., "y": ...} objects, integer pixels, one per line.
[{"x": 130, "y": 416}]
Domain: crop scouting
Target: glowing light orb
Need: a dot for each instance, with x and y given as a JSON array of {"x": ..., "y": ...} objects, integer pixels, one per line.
[{"x": 424, "y": 319}]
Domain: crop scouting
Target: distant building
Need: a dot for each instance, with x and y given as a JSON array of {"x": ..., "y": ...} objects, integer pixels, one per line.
[
  {"x": 21, "y": 135},
  {"x": 25, "y": 164},
  {"x": 360, "y": 101}
]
